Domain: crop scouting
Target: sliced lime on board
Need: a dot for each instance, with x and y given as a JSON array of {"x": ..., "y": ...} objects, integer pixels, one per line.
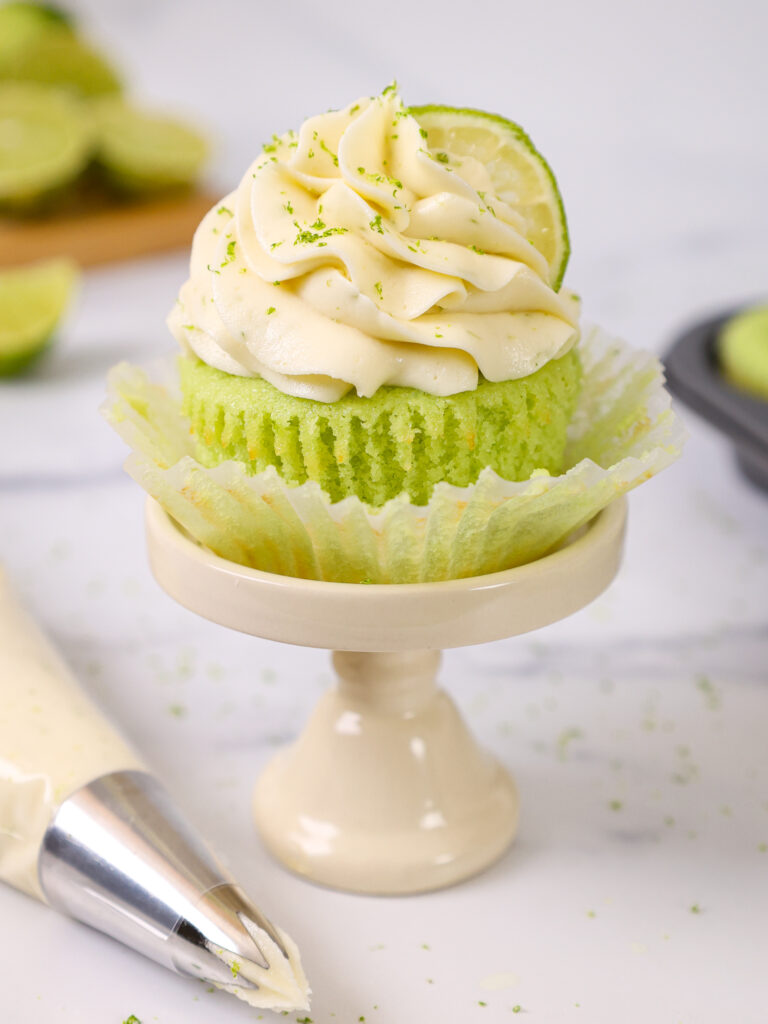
[
  {"x": 520, "y": 174},
  {"x": 22, "y": 24},
  {"x": 143, "y": 152},
  {"x": 62, "y": 60},
  {"x": 45, "y": 142},
  {"x": 32, "y": 301}
]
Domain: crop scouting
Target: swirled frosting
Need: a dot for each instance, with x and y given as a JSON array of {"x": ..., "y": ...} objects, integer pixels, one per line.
[{"x": 351, "y": 256}]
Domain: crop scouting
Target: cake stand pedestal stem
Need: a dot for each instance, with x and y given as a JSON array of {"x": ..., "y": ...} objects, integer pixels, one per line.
[{"x": 386, "y": 790}]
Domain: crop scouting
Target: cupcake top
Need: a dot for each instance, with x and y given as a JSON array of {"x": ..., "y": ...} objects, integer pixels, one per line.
[{"x": 353, "y": 256}]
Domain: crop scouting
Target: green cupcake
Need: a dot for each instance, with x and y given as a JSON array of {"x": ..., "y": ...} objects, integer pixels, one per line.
[
  {"x": 379, "y": 316},
  {"x": 399, "y": 441}
]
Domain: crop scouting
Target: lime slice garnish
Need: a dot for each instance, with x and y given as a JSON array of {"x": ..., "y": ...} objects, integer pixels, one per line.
[
  {"x": 45, "y": 142},
  {"x": 144, "y": 152},
  {"x": 520, "y": 174},
  {"x": 60, "y": 59},
  {"x": 32, "y": 300}
]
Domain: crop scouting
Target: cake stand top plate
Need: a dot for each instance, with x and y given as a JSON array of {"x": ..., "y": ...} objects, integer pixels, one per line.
[{"x": 387, "y": 617}]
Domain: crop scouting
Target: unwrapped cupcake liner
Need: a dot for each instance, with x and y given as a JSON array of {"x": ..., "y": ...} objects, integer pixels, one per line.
[{"x": 623, "y": 432}]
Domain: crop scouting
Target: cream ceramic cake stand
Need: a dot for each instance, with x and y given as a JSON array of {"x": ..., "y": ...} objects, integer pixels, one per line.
[{"x": 386, "y": 791}]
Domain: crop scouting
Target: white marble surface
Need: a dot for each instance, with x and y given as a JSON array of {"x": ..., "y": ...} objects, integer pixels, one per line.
[{"x": 638, "y": 888}]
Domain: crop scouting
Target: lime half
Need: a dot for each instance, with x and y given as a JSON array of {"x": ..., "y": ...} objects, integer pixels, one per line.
[
  {"x": 743, "y": 350},
  {"x": 62, "y": 60},
  {"x": 45, "y": 142},
  {"x": 32, "y": 300},
  {"x": 142, "y": 152},
  {"x": 21, "y": 24},
  {"x": 520, "y": 174}
]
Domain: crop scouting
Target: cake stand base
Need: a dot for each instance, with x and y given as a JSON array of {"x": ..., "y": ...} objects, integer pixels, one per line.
[{"x": 386, "y": 791}]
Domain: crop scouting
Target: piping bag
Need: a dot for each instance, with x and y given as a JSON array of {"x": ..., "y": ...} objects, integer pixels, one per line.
[{"x": 86, "y": 828}]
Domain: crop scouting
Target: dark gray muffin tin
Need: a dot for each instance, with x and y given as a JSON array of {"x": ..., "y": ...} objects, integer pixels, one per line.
[{"x": 693, "y": 374}]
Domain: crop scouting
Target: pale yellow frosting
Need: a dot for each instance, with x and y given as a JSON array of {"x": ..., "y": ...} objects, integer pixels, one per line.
[{"x": 351, "y": 256}]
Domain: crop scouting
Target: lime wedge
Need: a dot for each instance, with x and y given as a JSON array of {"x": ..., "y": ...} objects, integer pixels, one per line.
[
  {"x": 45, "y": 142},
  {"x": 60, "y": 59},
  {"x": 520, "y": 174},
  {"x": 142, "y": 152},
  {"x": 32, "y": 300}
]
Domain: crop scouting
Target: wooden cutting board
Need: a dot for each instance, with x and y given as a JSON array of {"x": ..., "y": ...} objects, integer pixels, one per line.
[{"x": 105, "y": 233}]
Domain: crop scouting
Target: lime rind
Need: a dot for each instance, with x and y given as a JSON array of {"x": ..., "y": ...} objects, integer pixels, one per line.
[
  {"x": 432, "y": 116},
  {"x": 45, "y": 143},
  {"x": 32, "y": 301}
]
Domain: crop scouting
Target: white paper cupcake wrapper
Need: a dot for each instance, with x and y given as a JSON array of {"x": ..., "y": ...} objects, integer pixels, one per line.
[{"x": 623, "y": 432}]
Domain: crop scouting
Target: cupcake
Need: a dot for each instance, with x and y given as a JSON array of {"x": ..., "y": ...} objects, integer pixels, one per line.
[{"x": 382, "y": 377}]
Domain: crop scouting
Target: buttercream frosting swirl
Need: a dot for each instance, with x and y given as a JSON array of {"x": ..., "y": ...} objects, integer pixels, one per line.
[{"x": 352, "y": 256}]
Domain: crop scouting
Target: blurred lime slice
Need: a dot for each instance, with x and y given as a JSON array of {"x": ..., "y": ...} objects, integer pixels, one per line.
[
  {"x": 143, "y": 152},
  {"x": 62, "y": 60},
  {"x": 32, "y": 300},
  {"x": 520, "y": 174},
  {"x": 23, "y": 23},
  {"x": 45, "y": 142},
  {"x": 743, "y": 350}
]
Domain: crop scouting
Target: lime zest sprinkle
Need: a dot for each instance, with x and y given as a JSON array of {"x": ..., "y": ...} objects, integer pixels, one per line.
[
  {"x": 189, "y": 327},
  {"x": 354, "y": 110},
  {"x": 310, "y": 154},
  {"x": 307, "y": 236},
  {"x": 330, "y": 153},
  {"x": 442, "y": 158},
  {"x": 476, "y": 248},
  {"x": 270, "y": 311},
  {"x": 235, "y": 968},
  {"x": 225, "y": 209},
  {"x": 378, "y": 288},
  {"x": 375, "y": 224},
  {"x": 423, "y": 132},
  {"x": 288, "y": 207},
  {"x": 133, "y": 1019},
  {"x": 275, "y": 244},
  {"x": 391, "y": 88},
  {"x": 212, "y": 270},
  {"x": 517, "y": 1008},
  {"x": 230, "y": 253}
]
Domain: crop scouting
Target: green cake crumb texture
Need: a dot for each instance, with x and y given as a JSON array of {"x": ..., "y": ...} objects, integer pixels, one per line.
[
  {"x": 743, "y": 350},
  {"x": 400, "y": 440}
]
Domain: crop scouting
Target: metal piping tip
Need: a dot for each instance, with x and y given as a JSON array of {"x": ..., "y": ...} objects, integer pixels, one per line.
[{"x": 119, "y": 856}]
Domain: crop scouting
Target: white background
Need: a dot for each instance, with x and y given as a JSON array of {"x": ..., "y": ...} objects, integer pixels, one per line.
[{"x": 654, "y": 122}]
